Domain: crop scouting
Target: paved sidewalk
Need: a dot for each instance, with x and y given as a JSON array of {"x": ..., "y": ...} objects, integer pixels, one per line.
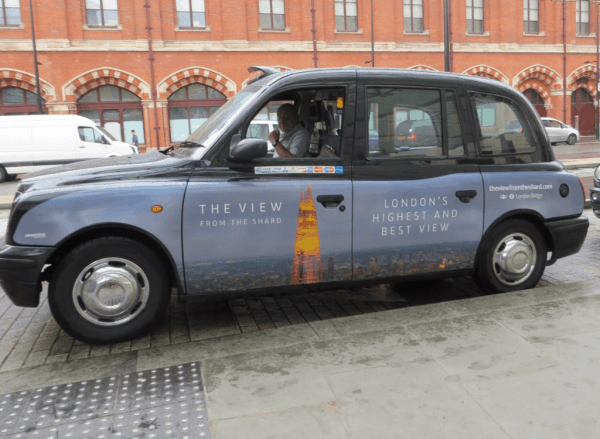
[{"x": 519, "y": 365}]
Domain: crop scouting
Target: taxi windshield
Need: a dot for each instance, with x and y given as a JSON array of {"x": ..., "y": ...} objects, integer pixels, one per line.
[{"x": 221, "y": 117}]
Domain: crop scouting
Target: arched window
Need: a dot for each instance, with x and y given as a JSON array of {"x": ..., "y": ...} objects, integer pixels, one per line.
[
  {"x": 534, "y": 97},
  {"x": 116, "y": 109},
  {"x": 14, "y": 100},
  {"x": 190, "y": 106},
  {"x": 536, "y": 100},
  {"x": 581, "y": 96}
]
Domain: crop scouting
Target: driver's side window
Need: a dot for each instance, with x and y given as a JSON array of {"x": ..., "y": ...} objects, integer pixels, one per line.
[
  {"x": 308, "y": 123},
  {"x": 88, "y": 134}
]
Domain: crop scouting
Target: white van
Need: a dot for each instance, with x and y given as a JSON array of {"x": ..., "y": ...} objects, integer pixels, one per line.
[{"x": 34, "y": 142}]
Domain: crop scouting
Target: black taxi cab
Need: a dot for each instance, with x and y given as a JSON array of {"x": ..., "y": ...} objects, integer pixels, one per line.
[{"x": 408, "y": 174}]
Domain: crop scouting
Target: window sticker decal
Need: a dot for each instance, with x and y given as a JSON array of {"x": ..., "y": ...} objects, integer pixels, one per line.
[{"x": 299, "y": 170}]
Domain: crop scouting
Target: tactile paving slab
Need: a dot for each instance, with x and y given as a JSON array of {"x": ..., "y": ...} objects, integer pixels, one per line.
[{"x": 157, "y": 403}]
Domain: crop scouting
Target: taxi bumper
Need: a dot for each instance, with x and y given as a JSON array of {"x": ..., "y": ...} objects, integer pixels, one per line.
[
  {"x": 20, "y": 269},
  {"x": 567, "y": 236}
]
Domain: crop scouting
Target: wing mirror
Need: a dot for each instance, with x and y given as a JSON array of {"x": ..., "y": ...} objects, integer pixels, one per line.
[{"x": 247, "y": 150}]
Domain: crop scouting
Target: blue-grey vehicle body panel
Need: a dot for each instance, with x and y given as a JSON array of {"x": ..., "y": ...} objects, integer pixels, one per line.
[
  {"x": 106, "y": 193},
  {"x": 530, "y": 191},
  {"x": 62, "y": 216},
  {"x": 242, "y": 235},
  {"x": 416, "y": 226}
]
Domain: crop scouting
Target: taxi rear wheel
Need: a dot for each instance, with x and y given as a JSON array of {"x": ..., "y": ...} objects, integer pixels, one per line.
[
  {"x": 512, "y": 258},
  {"x": 108, "y": 290}
]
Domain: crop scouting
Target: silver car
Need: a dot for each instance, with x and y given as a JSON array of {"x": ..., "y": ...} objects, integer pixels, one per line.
[{"x": 559, "y": 132}]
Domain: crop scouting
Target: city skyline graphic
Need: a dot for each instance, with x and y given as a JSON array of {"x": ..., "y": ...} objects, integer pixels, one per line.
[{"x": 306, "y": 266}]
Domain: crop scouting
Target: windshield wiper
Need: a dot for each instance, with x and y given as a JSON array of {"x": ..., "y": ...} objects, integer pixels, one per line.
[
  {"x": 166, "y": 151},
  {"x": 191, "y": 143}
]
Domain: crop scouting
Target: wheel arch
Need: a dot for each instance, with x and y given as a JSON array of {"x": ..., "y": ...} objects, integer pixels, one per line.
[
  {"x": 120, "y": 230},
  {"x": 529, "y": 215}
]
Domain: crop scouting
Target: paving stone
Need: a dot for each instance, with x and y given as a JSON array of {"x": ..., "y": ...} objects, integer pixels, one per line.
[
  {"x": 56, "y": 358},
  {"x": 79, "y": 352},
  {"x": 62, "y": 345},
  {"x": 36, "y": 358}
]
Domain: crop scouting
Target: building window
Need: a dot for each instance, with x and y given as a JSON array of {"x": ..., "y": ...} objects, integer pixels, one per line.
[
  {"x": 102, "y": 13},
  {"x": 10, "y": 14},
  {"x": 413, "y": 15},
  {"x": 475, "y": 16},
  {"x": 115, "y": 109},
  {"x": 272, "y": 14},
  {"x": 14, "y": 101},
  {"x": 583, "y": 17},
  {"x": 191, "y": 13},
  {"x": 346, "y": 15},
  {"x": 581, "y": 96},
  {"x": 531, "y": 16},
  {"x": 189, "y": 107}
]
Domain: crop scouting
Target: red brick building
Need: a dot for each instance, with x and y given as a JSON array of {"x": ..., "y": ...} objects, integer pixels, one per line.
[{"x": 94, "y": 54}]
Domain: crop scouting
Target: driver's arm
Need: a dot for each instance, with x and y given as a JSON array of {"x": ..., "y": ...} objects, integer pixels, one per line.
[{"x": 282, "y": 152}]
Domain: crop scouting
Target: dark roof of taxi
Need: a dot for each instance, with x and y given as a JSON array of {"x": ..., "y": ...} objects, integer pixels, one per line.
[{"x": 435, "y": 76}]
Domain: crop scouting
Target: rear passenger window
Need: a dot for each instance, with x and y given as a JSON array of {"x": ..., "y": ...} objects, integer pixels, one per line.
[
  {"x": 408, "y": 123},
  {"x": 503, "y": 128}
]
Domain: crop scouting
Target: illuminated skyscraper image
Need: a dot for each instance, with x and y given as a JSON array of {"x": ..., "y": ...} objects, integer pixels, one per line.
[{"x": 306, "y": 267}]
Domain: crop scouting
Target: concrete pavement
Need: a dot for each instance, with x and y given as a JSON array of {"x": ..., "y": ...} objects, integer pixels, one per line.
[{"x": 519, "y": 365}]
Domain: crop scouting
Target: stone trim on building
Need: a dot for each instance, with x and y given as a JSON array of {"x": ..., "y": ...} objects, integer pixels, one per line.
[
  {"x": 92, "y": 79},
  {"x": 585, "y": 71},
  {"x": 24, "y": 80},
  {"x": 423, "y": 67},
  {"x": 486, "y": 71},
  {"x": 196, "y": 75},
  {"x": 280, "y": 68},
  {"x": 541, "y": 73}
]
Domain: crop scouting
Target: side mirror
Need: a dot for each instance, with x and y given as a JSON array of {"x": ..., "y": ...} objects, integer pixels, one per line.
[{"x": 248, "y": 149}]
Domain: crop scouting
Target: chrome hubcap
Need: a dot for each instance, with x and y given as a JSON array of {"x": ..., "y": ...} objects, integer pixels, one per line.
[
  {"x": 514, "y": 259},
  {"x": 110, "y": 291}
]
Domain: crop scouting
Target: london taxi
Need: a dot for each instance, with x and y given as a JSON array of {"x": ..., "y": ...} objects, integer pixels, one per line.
[{"x": 464, "y": 194}]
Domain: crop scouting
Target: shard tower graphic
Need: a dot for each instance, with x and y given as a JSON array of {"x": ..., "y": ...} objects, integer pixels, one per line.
[{"x": 306, "y": 267}]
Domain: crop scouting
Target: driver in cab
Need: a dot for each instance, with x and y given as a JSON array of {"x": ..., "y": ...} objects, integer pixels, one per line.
[{"x": 295, "y": 140}]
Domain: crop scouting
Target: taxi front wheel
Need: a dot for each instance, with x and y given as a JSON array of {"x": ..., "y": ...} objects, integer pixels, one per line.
[
  {"x": 512, "y": 258},
  {"x": 108, "y": 290}
]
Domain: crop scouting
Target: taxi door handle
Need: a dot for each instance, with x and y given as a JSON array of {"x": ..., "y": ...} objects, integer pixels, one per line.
[
  {"x": 466, "y": 196},
  {"x": 82, "y": 146},
  {"x": 330, "y": 201}
]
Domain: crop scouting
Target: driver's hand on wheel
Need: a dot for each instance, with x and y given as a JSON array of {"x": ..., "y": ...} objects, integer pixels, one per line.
[{"x": 274, "y": 135}]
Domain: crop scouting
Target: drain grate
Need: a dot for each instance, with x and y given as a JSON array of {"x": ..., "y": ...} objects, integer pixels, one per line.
[{"x": 157, "y": 403}]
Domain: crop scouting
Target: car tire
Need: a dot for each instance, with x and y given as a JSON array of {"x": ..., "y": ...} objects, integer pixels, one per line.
[
  {"x": 513, "y": 257},
  {"x": 3, "y": 175},
  {"x": 572, "y": 139},
  {"x": 109, "y": 290}
]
